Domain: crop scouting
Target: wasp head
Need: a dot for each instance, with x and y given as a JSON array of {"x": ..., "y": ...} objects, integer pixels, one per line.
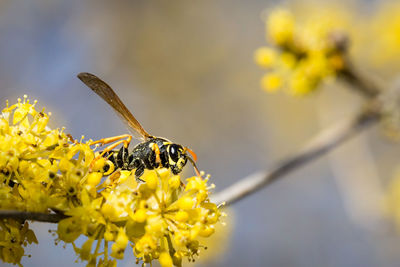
[{"x": 177, "y": 158}]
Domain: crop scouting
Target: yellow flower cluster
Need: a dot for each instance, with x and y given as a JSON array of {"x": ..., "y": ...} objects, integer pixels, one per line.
[
  {"x": 40, "y": 171},
  {"x": 161, "y": 218},
  {"x": 44, "y": 170},
  {"x": 302, "y": 53}
]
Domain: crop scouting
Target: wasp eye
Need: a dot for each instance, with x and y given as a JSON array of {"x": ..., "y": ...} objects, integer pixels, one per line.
[{"x": 174, "y": 152}]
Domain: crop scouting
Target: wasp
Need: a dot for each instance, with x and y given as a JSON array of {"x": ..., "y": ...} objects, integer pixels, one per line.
[{"x": 153, "y": 152}]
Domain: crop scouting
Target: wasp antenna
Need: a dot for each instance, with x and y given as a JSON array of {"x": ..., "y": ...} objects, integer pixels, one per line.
[
  {"x": 191, "y": 152},
  {"x": 195, "y": 167}
]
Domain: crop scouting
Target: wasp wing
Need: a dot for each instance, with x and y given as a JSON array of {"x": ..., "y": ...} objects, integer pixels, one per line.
[{"x": 103, "y": 90}]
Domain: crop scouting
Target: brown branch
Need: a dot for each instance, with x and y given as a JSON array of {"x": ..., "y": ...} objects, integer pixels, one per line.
[
  {"x": 359, "y": 82},
  {"x": 32, "y": 216}
]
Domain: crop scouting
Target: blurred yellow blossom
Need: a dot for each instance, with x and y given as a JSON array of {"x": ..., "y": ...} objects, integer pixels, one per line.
[
  {"x": 304, "y": 51},
  {"x": 272, "y": 81},
  {"x": 265, "y": 57},
  {"x": 281, "y": 27},
  {"x": 219, "y": 242},
  {"x": 44, "y": 170}
]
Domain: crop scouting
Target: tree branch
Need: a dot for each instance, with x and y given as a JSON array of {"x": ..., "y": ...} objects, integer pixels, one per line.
[
  {"x": 32, "y": 216},
  {"x": 360, "y": 83}
]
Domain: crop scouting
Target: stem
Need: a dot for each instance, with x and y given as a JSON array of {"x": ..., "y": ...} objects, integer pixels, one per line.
[
  {"x": 358, "y": 82},
  {"x": 33, "y": 216},
  {"x": 105, "y": 250}
]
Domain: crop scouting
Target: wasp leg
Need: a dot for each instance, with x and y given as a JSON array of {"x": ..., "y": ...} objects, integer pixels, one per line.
[
  {"x": 108, "y": 140},
  {"x": 139, "y": 172},
  {"x": 106, "y": 150},
  {"x": 134, "y": 163}
]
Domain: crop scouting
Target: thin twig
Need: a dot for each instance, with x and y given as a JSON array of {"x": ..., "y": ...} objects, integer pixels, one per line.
[
  {"x": 32, "y": 216},
  {"x": 359, "y": 82},
  {"x": 364, "y": 85}
]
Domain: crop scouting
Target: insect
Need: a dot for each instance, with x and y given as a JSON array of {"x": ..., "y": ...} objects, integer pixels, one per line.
[{"x": 151, "y": 153}]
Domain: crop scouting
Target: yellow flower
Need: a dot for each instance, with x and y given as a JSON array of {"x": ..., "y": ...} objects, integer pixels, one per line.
[
  {"x": 86, "y": 249},
  {"x": 118, "y": 248},
  {"x": 165, "y": 259},
  {"x": 167, "y": 219},
  {"x": 287, "y": 60},
  {"x": 69, "y": 229},
  {"x": 32, "y": 172},
  {"x": 94, "y": 178},
  {"x": 281, "y": 26},
  {"x": 272, "y": 81},
  {"x": 265, "y": 57},
  {"x": 13, "y": 237},
  {"x": 303, "y": 53}
]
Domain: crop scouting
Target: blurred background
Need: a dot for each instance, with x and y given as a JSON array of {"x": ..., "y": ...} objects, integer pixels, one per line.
[{"x": 185, "y": 69}]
